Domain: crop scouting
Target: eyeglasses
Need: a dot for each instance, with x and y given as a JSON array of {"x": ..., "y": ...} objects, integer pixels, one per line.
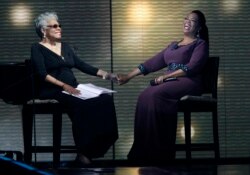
[{"x": 55, "y": 26}]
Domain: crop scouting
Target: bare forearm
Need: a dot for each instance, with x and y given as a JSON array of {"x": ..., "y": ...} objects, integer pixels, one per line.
[
  {"x": 124, "y": 78},
  {"x": 177, "y": 73},
  {"x": 54, "y": 81},
  {"x": 134, "y": 73},
  {"x": 64, "y": 86}
]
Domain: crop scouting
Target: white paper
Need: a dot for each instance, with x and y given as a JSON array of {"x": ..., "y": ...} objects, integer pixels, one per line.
[{"x": 89, "y": 90}]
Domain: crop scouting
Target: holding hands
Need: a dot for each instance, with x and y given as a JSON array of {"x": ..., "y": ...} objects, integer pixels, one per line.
[
  {"x": 122, "y": 79},
  {"x": 117, "y": 78}
]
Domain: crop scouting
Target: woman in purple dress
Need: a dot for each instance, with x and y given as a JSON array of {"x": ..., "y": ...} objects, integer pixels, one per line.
[{"x": 156, "y": 110}]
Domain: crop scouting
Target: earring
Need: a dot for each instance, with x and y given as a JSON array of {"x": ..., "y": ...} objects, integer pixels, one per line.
[{"x": 198, "y": 34}]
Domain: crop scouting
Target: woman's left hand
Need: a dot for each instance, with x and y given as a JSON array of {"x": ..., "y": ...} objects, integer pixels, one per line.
[
  {"x": 160, "y": 79},
  {"x": 71, "y": 90}
]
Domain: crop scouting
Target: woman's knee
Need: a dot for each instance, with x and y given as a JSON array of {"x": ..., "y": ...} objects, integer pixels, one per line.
[{"x": 149, "y": 97}]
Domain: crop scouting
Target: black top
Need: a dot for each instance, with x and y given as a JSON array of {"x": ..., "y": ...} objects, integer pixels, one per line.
[{"x": 46, "y": 62}]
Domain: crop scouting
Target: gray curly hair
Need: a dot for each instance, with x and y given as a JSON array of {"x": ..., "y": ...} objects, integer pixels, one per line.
[{"x": 42, "y": 21}]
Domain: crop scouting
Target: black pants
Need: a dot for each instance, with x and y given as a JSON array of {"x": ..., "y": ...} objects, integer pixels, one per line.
[{"x": 94, "y": 123}]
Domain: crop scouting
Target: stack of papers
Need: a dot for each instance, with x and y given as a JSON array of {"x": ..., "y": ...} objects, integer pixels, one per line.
[{"x": 89, "y": 90}]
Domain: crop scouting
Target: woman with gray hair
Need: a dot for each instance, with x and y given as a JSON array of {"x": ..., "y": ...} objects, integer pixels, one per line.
[{"x": 94, "y": 122}]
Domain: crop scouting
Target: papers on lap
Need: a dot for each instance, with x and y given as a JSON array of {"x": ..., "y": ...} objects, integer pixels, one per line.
[{"x": 89, "y": 90}]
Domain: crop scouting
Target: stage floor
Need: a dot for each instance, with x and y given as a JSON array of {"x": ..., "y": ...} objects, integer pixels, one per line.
[
  {"x": 174, "y": 170},
  {"x": 238, "y": 166}
]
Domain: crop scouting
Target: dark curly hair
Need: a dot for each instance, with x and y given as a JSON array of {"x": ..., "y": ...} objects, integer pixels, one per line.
[{"x": 203, "y": 32}]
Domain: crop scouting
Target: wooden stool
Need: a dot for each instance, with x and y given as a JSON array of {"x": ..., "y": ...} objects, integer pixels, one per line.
[{"x": 50, "y": 106}]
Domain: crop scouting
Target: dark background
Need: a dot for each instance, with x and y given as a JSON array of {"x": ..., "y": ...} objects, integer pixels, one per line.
[{"x": 119, "y": 35}]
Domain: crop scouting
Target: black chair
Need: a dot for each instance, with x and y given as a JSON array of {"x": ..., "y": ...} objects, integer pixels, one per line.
[
  {"x": 204, "y": 103},
  {"x": 50, "y": 107},
  {"x": 17, "y": 155}
]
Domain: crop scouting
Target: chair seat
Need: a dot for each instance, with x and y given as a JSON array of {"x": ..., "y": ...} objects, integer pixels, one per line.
[
  {"x": 47, "y": 106},
  {"x": 39, "y": 101},
  {"x": 192, "y": 98},
  {"x": 197, "y": 103}
]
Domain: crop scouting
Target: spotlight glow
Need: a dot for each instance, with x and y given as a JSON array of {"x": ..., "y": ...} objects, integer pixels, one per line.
[
  {"x": 220, "y": 81},
  {"x": 183, "y": 132},
  {"x": 231, "y": 6},
  {"x": 139, "y": 12},
  {"x": 131, "y": 171},
  {"x": 20, "y": 15}
]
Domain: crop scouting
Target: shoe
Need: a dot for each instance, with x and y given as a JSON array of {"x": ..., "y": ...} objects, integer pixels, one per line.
[
  {"x": 82, "y": 161},
  {"x": 82, "y": 158}
]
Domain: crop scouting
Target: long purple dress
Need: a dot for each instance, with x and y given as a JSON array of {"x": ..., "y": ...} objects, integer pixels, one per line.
[{"x": 156, "y": 111}]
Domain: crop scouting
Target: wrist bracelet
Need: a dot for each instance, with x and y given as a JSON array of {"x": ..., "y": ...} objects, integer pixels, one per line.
[
  {"x": 105, "y": 76},
  {"x": 142, "y": 69}
]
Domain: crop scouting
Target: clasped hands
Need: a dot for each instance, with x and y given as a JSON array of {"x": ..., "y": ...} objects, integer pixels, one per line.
[
  {"x": 124, "y": 78},
  {"x": 117, "y": 78}
]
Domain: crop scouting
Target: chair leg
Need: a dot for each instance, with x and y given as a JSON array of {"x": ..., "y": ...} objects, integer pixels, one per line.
[
  {"x": 27, "y": 120},
  {"x": 57, "y": 129},
  {"x": 216, "y": 135},
  {"x": 187, "y": 123}
]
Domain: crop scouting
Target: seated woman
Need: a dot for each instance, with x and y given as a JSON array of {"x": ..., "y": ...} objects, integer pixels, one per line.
[
  {"x": 94, "y": 122},
  {"x": 156, "y": 111}
]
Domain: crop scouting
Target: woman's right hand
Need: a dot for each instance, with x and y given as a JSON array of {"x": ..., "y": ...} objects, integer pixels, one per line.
[
  {"x": 71, "y": 90},
  {"x": 122, "y": 79}
]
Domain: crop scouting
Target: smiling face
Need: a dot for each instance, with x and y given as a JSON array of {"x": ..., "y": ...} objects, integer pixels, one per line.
[
  {"x": 53, "y": 30},
  {"x": 191, "y": 24}
]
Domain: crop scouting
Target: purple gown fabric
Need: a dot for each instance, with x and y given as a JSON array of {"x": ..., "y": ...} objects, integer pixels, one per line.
[{"x": 156, "y": 110}]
